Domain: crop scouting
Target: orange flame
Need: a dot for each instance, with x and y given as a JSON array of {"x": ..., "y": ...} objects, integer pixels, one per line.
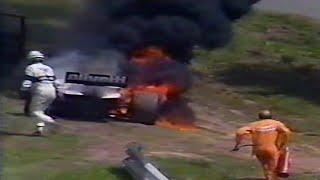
[
  {"x": 170, "y": 91},
  {"x": 151, "y": 53},
  {"x": 177, "y": 125},
  {"x": 150, "y": 57},
  {"x": 153, "y": 56}
]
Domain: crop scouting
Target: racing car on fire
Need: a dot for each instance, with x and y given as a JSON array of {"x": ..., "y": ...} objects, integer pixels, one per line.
[{"x": 101, "y": 96}]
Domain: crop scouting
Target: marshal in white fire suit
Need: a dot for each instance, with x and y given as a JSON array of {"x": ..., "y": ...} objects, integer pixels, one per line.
[{"x": 41, "y": 78}]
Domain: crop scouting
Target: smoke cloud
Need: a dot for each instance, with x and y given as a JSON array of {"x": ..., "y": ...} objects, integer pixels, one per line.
[
  {"x": 175, "y": 25},
  {"x": 104, "y": 62},
  {"x": 125, "y": 26}
]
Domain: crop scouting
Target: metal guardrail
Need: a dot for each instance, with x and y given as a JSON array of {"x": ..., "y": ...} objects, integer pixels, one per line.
[{"x": 139, "y": 167}]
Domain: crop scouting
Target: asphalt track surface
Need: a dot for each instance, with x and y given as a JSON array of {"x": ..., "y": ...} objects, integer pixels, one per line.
[{"x": 309, "y": 8}]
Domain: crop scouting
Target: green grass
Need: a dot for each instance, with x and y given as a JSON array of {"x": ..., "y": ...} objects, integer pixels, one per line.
[
  {"x": 274, "y": 61},
  {"x": 49, "y": 171},
  {"x": 42, "y": 9},
  {"x": 221, "y": 168},
  {"x": 45, "y": 19},
  {"x": 295, "y": 37},
  {"x": 95, "y": 173},
  {"x": 286, "y": 49},
  {"x": 29, "y": 156},
  {"x": 54, "y": 157}
]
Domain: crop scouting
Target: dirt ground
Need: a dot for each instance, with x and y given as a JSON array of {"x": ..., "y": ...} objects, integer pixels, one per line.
[
  {"x": 214, "y": 136},
  {"x": 105, "y": 142},
  {"x": 219, "y": 110}
]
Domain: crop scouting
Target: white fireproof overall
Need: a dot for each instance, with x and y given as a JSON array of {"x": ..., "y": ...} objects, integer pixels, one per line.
[{"x": 43, "y": 91}]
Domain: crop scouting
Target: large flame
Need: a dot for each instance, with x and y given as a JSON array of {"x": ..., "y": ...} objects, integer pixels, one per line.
[
  {"x": 149, "y": 55},
  {"x": 152, "y": 57},
  {"x": 147, "y": 58}
]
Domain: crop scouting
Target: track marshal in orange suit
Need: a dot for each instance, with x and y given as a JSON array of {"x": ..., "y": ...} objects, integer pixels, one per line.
[{"x": 270, "y": 140}]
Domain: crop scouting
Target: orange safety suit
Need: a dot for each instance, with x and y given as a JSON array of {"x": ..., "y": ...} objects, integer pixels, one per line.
[{"x": 270, "y": 140}]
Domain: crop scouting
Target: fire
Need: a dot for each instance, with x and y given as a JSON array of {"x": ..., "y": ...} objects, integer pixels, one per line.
[
  {"x": 149, "y": 56},
  {"x": 177, "y": 125},
  {"x": 168, "y": 92},
  {"x": 164, "y": 90}
]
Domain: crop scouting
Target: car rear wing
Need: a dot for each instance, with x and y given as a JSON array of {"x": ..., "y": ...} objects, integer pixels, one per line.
[{"x": 96, "y": 79}]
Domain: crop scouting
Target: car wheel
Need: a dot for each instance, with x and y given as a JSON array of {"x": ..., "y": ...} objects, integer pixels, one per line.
[{"x": 145, "y": 107}]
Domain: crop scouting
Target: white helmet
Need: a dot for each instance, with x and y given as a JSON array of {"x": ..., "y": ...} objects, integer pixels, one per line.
[{"x": 35, "y": 56}]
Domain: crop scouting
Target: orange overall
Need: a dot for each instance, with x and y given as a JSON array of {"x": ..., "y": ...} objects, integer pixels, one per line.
[{"x": 270, "y": 139}]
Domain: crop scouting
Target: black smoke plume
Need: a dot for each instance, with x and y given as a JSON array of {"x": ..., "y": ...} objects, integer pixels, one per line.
[{"x": 174, "y": 25}]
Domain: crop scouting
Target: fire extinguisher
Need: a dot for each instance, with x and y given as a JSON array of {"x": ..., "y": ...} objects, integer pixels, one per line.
[{"x": 284, "y": 163}]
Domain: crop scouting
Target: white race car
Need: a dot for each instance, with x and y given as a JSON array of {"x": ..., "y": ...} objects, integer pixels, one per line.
[{"x": 101, "y": 96}]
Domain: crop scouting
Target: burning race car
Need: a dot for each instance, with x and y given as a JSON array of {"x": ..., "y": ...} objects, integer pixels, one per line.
[
  {"x": 101, "y": 96},
  {"x": 153, "y": 92}
]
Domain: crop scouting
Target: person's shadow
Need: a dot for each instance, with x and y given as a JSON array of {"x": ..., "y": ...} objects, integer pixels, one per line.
[
  {"x": 6, "y": 133},
  {"x": 120, "y": 173},
  {"x": 17, "y": 114}
]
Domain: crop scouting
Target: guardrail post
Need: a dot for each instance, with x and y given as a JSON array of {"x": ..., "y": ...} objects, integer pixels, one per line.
[{"x": 139, "y": 167}]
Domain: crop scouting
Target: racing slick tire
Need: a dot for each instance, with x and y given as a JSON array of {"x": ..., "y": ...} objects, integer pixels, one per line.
[{"x": 145, "y": 107}]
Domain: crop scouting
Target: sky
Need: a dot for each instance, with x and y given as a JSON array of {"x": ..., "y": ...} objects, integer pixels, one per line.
[{"x": 303, "y": 7}]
